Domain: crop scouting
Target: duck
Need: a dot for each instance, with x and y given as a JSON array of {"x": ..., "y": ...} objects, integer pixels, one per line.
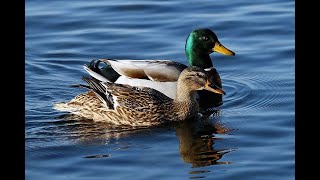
[
  {"x": 137, "y": 106},
  {"x": 162, "y": 75}
]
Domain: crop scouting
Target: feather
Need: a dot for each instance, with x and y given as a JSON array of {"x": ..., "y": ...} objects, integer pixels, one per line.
[
  {"x": 94, "y": 74},
  {"x": 100, "y": 91}
]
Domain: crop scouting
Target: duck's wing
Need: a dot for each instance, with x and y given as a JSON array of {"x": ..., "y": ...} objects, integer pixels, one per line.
[
  {"x": 100, "y": 91},
  {"x": 124, "y": 96},
  {"x": 167, "y": 88},
  {"x": 136, "y": 98},
  {"x": 155, "y": 70}
]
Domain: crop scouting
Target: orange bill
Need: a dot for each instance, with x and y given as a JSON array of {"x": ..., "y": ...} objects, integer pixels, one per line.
[{"x": 213, "y": 88}]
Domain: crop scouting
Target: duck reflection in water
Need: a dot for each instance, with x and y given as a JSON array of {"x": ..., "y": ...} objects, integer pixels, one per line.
[
  {"x": 196, "y": 140},
  {"x": 196, "y": 137}
]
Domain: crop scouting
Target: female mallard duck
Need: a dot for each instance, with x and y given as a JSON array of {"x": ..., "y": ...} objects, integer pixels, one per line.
[
  {"x": 162, "y": 75},
  {"x": 120, "y": 104}
]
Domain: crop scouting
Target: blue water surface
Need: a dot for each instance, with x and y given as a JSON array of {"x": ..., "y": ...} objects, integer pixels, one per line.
[{"x": 252, "y": 136}]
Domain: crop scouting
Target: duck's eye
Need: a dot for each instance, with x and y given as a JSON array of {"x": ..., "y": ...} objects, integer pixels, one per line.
[{"x": 205, "y": 38}]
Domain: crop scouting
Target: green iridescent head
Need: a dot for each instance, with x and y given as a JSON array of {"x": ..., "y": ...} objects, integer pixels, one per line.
[{"x": 199, "y": 44}]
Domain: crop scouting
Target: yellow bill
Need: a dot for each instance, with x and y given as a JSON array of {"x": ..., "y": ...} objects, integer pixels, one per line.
[{"x": 219, "y": 48}]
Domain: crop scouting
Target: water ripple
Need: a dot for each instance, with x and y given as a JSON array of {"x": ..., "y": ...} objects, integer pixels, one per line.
[
  {"x": 62, "y": 35},
  {"x": 253, "y": 92}
]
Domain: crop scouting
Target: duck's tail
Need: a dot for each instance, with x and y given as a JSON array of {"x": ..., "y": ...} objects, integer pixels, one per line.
[
  {"x": 104, "y": 74},
  {"x": 65, "y": 107}
]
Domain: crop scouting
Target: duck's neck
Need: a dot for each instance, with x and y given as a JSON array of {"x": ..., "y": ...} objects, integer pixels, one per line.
[
  {"x": 200, "y": 60},
  {"x": 184, "y": 94},
  {"x": 196, "y": 57},
  {"x": 185, "y": 102}
]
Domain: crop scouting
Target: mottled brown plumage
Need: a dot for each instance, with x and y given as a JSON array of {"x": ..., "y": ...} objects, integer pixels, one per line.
[
  {"x": 158, "y": 74},
  {"x": 140, "y": 106}
]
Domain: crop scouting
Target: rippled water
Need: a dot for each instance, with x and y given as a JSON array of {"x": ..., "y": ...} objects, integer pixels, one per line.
[{"x": 252, "y": 135}]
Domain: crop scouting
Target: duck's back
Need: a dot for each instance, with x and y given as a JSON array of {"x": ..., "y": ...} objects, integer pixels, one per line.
[{"x": 135, "y": 106}]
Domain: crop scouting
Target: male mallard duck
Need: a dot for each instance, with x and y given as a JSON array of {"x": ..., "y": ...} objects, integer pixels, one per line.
[
  {"x": 162, "y": 75},
  {"x": 121, "y": 104}
]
